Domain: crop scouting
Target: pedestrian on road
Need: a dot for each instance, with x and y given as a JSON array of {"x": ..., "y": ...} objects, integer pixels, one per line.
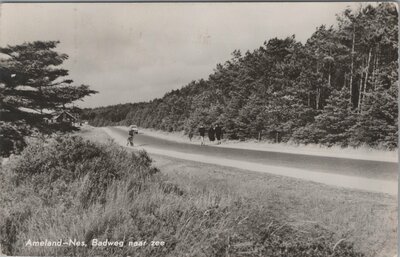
[
  {"x": 202, "y": 132},
  {"x": 190, "y": 134},
  {"x": 218, "y": 133},
  {"x": 211, "y": 134},
  {"x": 131, "y": 134}
]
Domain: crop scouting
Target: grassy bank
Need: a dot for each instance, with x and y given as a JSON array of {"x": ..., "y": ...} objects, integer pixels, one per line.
[
  {"x": 369, "y": 220},
  {"x": 69, "y": 188}
]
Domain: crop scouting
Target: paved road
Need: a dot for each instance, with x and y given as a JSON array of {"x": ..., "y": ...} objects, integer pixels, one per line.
[{"x": 350, "y": 167}]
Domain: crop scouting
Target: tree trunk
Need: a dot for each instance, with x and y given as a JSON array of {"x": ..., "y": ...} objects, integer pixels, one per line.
[
  {"x": 367, "y": 71},
  {"x": 329, "y": 77},
  {"x": 352, "y": 66},
  {"x": 318, "y": 90},
  {"x": 360, "y": 87},
  {"x": 360, "y": 94},
  {"x": 376, "y": 63},
  {"x": 329, "y": 69}
]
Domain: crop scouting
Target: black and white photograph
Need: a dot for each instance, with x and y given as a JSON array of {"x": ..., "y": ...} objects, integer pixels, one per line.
[{"x": 199, "y": 129}]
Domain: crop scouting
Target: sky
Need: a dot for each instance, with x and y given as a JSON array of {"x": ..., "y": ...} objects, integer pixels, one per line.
[{"x": 133, "y": 52}]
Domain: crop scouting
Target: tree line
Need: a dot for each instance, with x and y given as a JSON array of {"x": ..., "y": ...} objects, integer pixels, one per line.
[{"x": 339, "y": 88}]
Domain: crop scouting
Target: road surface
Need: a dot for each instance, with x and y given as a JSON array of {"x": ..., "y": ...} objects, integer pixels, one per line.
[{"x": 360, "y": 174}]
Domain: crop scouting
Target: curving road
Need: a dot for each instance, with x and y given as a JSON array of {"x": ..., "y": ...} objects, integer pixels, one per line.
[
  {"x": 370, "y": 176},
  {"x": 350, "y": 167}
]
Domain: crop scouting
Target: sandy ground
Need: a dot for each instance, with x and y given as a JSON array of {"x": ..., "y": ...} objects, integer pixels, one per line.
[
  {"x": 362, "y": 153},
  {"x": 372, "y": 185}
]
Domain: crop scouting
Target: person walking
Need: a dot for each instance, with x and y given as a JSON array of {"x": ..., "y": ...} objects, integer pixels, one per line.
[
  {"x": 211, "y": 134},
  {"x": 131, "y": 134},
  {"x": 202, "y": 132},
  {"x": 218, "y": 133},
  {"x": 190, "y": 134}
]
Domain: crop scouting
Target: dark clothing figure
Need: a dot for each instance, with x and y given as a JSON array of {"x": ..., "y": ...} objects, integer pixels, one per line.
[
  {"x": 190, "y": 135},
  {"x": 129, "y": 142},
  {"x": 218, "y": 133},
  {"x": 131, "y": 134},
  {"x": 202, "y": 131},
  {"x": 211, "y": 134}
]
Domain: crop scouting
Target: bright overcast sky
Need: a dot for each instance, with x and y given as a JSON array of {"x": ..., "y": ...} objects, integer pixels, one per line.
[{"x": 138, "y": 51}]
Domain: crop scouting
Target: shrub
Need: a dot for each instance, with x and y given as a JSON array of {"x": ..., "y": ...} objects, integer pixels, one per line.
[
  {"x": 309, "y": 134},
  {"x": 64, "y": 172},
  {"x": 11, "y": 138}
]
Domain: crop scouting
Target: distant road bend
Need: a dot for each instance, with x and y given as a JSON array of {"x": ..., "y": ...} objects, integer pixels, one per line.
[{"x": 375, "y": 176}]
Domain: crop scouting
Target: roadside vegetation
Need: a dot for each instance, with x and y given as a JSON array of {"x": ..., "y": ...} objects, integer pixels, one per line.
[
  {"x": 69, "y": 187},
  {"x": 339, "y": 88}
]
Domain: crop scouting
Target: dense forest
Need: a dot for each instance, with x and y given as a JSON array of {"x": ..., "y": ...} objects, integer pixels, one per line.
[{"x": 339, "y": 88}]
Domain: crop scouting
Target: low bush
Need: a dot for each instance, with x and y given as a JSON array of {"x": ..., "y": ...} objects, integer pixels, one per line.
[
  {"x": 11, "y": 138},
  {"x": 65, "y": 172}
]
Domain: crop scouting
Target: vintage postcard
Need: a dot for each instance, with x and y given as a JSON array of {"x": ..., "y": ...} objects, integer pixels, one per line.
[{"x": 229, "y": 129}]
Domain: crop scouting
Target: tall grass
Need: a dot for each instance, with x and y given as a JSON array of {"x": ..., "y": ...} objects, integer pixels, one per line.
[{"x": 69, "y": 188}]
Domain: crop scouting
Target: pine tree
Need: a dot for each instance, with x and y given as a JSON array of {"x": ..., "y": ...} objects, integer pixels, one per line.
[
  {"x": 377, "y": 124},
  {"x": 336, "y": 120},
  {"x": 33, "y": 86}
]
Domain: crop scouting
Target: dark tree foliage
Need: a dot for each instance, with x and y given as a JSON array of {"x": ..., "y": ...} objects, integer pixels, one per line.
[
  {"x": 32, "y": 86},
  {"x": 340, "y": 87}
]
